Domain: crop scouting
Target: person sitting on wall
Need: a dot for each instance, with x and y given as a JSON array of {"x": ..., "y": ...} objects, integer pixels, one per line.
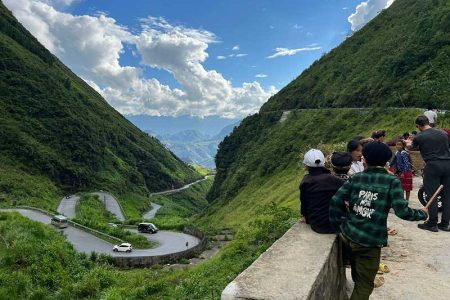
[{"x": 316, "y": 189}]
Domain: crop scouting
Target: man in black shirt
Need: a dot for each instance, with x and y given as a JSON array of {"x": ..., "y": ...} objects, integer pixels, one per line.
[
  {"x": 316, "y": 190},
  {"x": 434, "y": 148}
]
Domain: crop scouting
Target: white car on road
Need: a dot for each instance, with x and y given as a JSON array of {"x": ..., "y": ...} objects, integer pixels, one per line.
[{"x": 124, "y": 247}]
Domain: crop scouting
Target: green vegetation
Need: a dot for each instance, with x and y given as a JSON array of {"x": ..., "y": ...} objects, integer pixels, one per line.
[
  {"x": 41, "y": 264},
  {"x": 263, "y": 154},
  {"x": 90, "y": 212},
  {"x": 134, "y": 206},
  {"x": 399, "y": 59},
  {"x": 62, "y": 133},
  {"x": 178, "y": 209}
]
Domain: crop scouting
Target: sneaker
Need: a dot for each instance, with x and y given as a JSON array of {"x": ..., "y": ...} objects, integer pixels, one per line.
[
  {"x": 444, "y": 226},
  {"x": 426, "y": 226}
]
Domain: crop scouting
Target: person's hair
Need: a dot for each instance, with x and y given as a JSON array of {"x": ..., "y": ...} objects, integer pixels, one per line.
[
  {"x": 406, "y": 135},
  {"x": 353, "y": 145},
  {"x": 422, "y": 121},
  {"x": 401, "y": 142},
  {"x": 365, "y": 141},
  {"x": 358, "y": 138},
  {"x": 430, "y": 107},
  {"x": 379, "y": 133},
  {"x": 414, "y": 132}
]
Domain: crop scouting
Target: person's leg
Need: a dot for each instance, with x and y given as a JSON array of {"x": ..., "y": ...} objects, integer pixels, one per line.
[
  {"x": 431, "y": 181},
  {"x": 445, "y": 195},
  {"x": 365, "y": 263}
]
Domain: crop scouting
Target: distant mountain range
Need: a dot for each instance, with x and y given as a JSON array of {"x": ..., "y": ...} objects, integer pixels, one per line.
[{"x": 194, "y": 146}]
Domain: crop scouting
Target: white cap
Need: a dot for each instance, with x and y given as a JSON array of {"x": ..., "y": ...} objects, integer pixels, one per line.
[{"x": 314, "y": 158}]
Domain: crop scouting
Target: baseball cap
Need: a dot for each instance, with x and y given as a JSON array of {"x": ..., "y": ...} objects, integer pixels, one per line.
[{"x": 314, "y": 158}]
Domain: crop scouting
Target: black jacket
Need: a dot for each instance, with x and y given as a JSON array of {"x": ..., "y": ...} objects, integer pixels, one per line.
[{"x": 316, "y": 190}]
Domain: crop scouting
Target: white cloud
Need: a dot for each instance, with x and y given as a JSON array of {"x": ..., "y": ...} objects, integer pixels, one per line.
[
  {"x": 345, "y": 8},
  {"x": 236, "y": 48},
  {"x": 298, "y": 27},
  {"x": 366, "y": 11},
  {"x": 261, "y": 75},
  {"x": 241, "y": 54},
  {"x": 290, "y": 52},
  {"x": 221, "y": 57},
  {"x": 272, "y": 27},
  {"x": 92, "y": 45}
]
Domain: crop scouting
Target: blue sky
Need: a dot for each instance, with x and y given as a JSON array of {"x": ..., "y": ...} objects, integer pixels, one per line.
[{"x": 200, "y": 58}]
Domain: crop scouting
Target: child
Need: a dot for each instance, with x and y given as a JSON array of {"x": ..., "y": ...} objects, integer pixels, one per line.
[
  {"x": 316, "y": 190},
  {"x": 370, "y": 194},
  {"x": 403, "y": 167}
]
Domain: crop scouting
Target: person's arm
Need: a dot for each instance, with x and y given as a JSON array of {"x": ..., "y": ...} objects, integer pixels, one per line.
[
  {"x": 400, "y": 205},
  {"x": 338, "y": 210},
  {"x": 303, "y": 204}
]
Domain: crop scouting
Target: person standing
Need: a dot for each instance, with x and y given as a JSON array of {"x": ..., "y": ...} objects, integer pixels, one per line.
[
  {"x": 431, "y": 115},
  {"x": 433, "y": 145},
  {"x": 403, "y": 167},
  {"x": 363, "y": 228}
]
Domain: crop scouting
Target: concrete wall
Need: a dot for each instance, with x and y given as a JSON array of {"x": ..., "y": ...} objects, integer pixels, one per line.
[
  {"x": 146, "y": 261},
  {"x": 302, "y": 264}
]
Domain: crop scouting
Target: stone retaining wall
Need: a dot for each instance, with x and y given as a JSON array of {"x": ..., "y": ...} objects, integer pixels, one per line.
[
  {"x": 302, "y": 264},
  {"x": 146, "y": 261}
]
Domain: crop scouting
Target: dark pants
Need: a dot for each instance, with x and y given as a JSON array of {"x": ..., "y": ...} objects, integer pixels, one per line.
[
  {"x": 365, "y": 262},
  {"x": 437, "y": 172}
]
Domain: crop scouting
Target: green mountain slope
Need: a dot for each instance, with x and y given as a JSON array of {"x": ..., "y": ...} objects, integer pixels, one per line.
[
  {"x": 58, "y": 131},
  {"x": 399, "y": 59}
]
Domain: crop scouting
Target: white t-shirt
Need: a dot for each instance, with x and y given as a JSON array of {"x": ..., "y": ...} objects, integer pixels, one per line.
[
  {"x": 431, "y": 115},
  {"x": 356, "y": 167}
]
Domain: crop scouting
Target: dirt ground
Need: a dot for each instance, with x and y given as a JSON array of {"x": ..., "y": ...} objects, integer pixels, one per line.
[{"x": 419, "y": 261}]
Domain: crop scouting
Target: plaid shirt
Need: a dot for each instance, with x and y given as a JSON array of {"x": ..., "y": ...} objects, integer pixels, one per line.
[{"x": 370, "y": 195}]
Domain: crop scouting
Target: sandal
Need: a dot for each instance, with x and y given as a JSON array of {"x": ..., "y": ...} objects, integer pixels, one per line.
[
  {"x": 379, "y": 281},
  {"x": 391, "y": 231},
  {"x": 382, "y": 268}
]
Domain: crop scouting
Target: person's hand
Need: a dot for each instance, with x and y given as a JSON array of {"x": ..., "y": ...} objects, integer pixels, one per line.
[{"x": 425, "y": 210}]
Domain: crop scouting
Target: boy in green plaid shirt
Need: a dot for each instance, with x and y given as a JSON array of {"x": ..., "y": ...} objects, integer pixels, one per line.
[{"x": 363, "y": 227}]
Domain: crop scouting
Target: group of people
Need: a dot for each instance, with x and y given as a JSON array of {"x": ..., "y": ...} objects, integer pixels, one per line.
[{"x": 365, "y": 182}]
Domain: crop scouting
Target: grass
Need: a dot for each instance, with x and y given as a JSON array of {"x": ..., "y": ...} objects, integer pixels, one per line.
[{"x": 90, "y": 212}]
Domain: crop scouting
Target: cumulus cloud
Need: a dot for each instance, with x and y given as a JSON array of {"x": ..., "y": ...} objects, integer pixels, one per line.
[
  {"x": 221, "y": 57},
  {"x": 241, "y": 55},
  {"x": 261, "y": 75},
  {"x": 366, "y": 11},
  {"x": 92, "y": 45},
  {"x": 236, "y": 48},
  {"x": 290, "y": 52}
]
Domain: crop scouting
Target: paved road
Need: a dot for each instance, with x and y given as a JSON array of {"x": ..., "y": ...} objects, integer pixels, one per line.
[
  {"x": 112, "y": 205},
  {"x": 67, "y": 206},
  {"x": 180, "y": 189},
  {"x": 169, "y": 241},
  {"x": 151, "y": 214},
  {"x": 418, "y": 259}
]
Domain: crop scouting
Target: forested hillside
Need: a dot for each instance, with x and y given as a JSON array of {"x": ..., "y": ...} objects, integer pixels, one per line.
[
  {"x": 399, "y": 59},
  {"x": 58, "y": 134}
]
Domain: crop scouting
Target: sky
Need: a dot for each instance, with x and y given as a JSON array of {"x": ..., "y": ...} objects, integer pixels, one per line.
[{"x": 202, "y": 58}]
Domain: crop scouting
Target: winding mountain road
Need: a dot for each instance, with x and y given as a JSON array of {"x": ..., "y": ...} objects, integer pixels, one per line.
[{"x": 169, "y": 241}]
